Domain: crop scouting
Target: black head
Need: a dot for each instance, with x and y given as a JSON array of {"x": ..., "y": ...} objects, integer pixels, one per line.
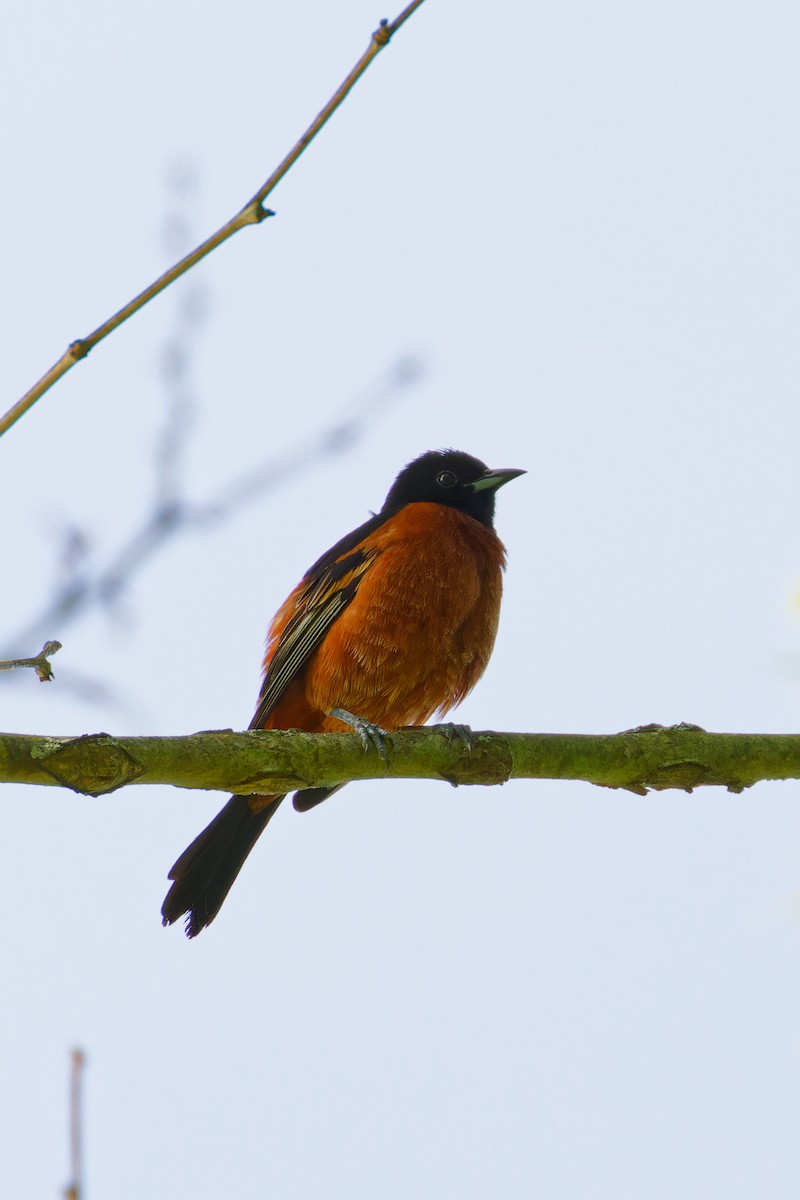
[{"x": 452, "y": 478}]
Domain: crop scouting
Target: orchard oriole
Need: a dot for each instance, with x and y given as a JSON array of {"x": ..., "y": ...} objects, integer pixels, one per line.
[{"x": 395, "y": 623}]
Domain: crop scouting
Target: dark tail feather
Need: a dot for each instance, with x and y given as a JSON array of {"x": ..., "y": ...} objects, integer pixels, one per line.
[
  {"x": 205, "y": 872},
  {"x": 311, "y": 797}
]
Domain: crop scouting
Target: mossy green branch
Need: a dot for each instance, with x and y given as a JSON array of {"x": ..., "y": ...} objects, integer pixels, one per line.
[{"x": 653, "y": 756}]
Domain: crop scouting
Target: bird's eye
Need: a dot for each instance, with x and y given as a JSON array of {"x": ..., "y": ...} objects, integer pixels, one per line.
[{"x": 446, "y": 479}]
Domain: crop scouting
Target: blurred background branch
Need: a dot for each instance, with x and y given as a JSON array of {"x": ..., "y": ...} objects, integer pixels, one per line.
[
  {"x": 74, "y": 1189},
  {"x": 84, "y": 587},
  {"x": 87, "y": 580}
]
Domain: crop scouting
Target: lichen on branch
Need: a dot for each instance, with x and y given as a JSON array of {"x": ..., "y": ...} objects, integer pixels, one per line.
[{"x": 274, "y": 761}]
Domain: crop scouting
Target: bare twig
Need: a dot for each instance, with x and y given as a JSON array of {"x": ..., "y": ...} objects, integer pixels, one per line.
[
  {"x": 74, "y": 1189},
  {"x": 40, "y": 664},
  {"x": 253, "y": 213}
]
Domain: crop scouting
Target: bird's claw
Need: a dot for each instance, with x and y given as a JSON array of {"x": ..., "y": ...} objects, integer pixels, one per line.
[
  {"x": 454, "y": 732},
  {"x": 371, "y": 735}
]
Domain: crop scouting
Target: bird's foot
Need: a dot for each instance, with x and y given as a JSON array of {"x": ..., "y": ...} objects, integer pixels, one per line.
[
  {"x": 452, "y": 732},
  {"x": 371, "y": 735}
]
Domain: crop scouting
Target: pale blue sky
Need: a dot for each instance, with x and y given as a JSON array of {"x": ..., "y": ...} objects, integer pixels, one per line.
[{"x": 583, "y": 219}]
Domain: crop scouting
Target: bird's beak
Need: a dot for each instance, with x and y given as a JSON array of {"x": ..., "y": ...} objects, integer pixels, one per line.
[{"x": 491, "y": 480}]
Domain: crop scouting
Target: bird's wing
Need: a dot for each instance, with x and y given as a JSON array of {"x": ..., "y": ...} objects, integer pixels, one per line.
[{"x": 328, "y": 591}]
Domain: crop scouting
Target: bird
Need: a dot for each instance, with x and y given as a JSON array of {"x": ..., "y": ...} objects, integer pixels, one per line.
[{"x": 392, "y": 625}]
